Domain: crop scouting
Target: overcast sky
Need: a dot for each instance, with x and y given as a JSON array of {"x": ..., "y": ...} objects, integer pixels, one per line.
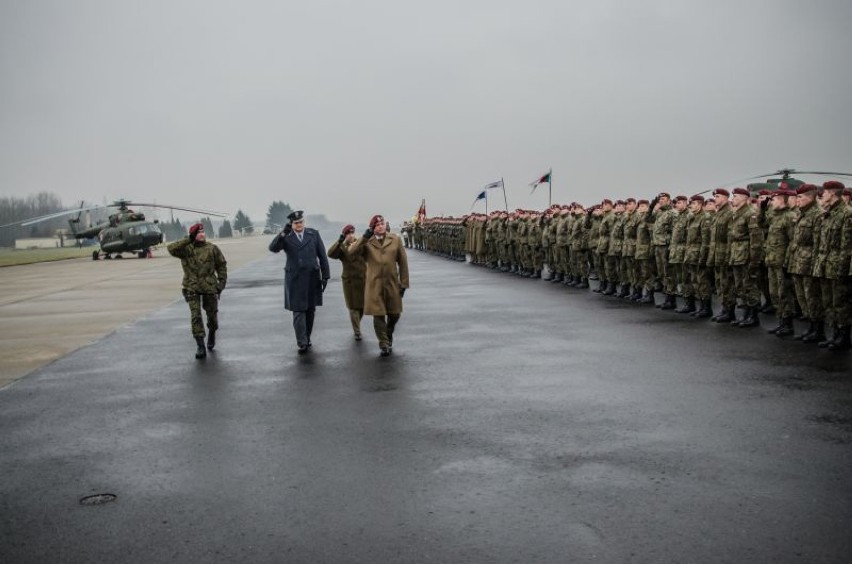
[{"x": 351, "y": 108}]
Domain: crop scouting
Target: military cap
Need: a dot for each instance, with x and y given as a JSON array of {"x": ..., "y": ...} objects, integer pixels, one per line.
[
  {"x": 374, "y": 220},
  {"x": 194, "y": 229},
  {"x": 681, "y": 197},
  {"x": 742, "y": 191},
  {"x": 640, "y": 202},
  {"x": 630, "y": 200},
  {"x": 297, "y": 215},
  {"x": 664, "y": 195},
  {"x": 721, "y": 191},
  {"x": 785, "y": 193},
  {"x": 606, "y": 201},
  {"x": 833, "y": 185},
  {"x": 697, "y": 198},
  {"x": 349, "y": 229},
  {"x": 765, "y": 193},
  {"x": 619, "y": 202},
  {"x": 847, "y": 192},
  {"x": 805, "y": 188}
]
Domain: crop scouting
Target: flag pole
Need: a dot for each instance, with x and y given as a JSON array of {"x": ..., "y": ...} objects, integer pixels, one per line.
[
  {"x": 550, "y": 188},
  {"x": 486, "y": 202},
  {"x": 505, "y": 201}
]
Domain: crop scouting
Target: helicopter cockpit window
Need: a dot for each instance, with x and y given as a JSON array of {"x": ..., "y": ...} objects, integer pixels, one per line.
[{"x": 132, "y": 231}]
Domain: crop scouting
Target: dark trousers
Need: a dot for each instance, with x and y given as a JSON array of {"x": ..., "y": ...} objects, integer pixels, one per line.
[{"x": 303, "y": 324}]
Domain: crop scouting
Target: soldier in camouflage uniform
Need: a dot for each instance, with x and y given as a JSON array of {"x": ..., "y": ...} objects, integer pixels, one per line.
[
  {"x": 831, "y": 264},
  {"x": 205, "y": 274},
  {"x": 578, "y": 247},
  {"x": 800, "y": 262},
  {"x": 536, "y": 256},
  {"x": 645, "y": 271},
  {"x": 718, "y": 254},
  {"x": 694, "y": 233},
  {"x": 662, "y": 216},
  {"x": 746, "y": 238},
  {"x": 560, "y": 246},
  {"x": 703, "y": 280},
  {"x": 677, "y": 247},
  {"x": 778, "y": 221},
  {"x": 601, "y": 247},
  {"x": 615, "y": 248},
  {"x": 630, "y": 289}
]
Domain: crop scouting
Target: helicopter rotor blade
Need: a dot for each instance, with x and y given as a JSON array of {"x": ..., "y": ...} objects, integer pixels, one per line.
[
  {"x": 824, "y": 173},
  {"x": 194, "y": 210},
  {"x": 39, "y": 219}
]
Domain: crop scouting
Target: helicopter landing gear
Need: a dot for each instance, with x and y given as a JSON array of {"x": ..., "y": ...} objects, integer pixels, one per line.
[
  {"x": 95, "y": 255},
  {"x": 142, "y": 254},
  {"x": 107, "y": 256},
  {"x": 118, "y": 256}
]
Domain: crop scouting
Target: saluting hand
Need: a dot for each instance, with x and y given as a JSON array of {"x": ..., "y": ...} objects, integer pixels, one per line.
[
  {"x": 287, "y": 229},
  {"x": 368, "y": 233}
]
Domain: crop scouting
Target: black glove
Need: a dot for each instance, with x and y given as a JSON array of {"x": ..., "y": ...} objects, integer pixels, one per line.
[
  {"x": 341, "y": 238},
  {"x": 402, "y": 292},
  {"x": 287, "y": 229},
  {"x": 764, "y": 204},
  {"x": 324, "y": 283},
  {"x": 368, "y": 233},
  {"x": 590, "y": 212},
  {"x": 654, "y": 202}
]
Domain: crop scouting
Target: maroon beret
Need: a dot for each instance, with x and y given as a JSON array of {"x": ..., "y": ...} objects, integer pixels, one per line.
[
  {"x": 194, "y": 229},
  {"x": 765, "y": 193},
  {"x": 628, "y": 200},
  {"x": 805, "y": 188},
  {"x": 721, "y": 191},
  {"x": 681, "y": 197},
  {"x": 833, "y": 185},
  {"x": 697, "y": 198},
  {"x": 606, "y": 201},
  {"x": 348, "y": 229},
  {"x": 847, "y": 192},
  {"x": 640, "y": 202},
  {"x": 664, "y": 195},
  {"x": 374, "y": 220},
  {"x": 784, "y": 193},
  {"x": 619, "y": 202},
  {"x": 741, "y": 191}
]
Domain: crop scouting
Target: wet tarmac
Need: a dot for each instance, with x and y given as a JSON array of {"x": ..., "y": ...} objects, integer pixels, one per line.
[{"x": 516, "y": 421}]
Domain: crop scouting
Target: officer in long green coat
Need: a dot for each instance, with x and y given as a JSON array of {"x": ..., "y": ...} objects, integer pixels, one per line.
[
  {"x": 205, "y": 275},
  {"x": 354, "y": 271}
]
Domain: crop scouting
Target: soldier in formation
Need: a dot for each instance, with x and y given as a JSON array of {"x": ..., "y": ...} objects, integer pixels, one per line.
[{"x": 786, "y": 252}]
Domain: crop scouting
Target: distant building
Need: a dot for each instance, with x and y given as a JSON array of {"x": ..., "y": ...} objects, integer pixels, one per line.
[{"x": 38, "y": 243}]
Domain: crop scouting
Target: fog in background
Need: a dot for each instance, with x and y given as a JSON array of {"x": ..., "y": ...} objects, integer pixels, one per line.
[{"x": 350, "y": 108}]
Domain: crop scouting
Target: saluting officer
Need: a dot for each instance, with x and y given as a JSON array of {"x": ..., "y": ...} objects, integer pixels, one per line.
[
  {"x": 352, "y": 278},
  {"x": 306, "y": 274}
]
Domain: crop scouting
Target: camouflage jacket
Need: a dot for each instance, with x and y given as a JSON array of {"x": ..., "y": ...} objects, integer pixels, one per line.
[
  {"x": 695, "y": 227},
  {"x": 800, "y": 258},
  {"x": 745, "y": 237},
  {"x": 834, "y": 246},
  {"x": 779, "y": 226},
  {"x": 663, "y": 220},
  {"x": 677, "y": 250},
  {"x": 631, "y": 224},
  {"x": 604, "y": 231},
  {"x": 580, "y": 232},
  {"x": 616, "y": 235},
  {"x": 643, "y": 240},
  {"x": 719, "y": 249},
  {"x": 205, "y": 270}
]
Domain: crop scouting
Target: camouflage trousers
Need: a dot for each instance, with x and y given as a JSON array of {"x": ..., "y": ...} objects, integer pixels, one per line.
[
  {"x": 611, "y": 268},
  {"x": 560, "y": 261},
  {"x": 627, "y": 269},
  {"x": 781, "y": 292},
  {"x": 661, "y": 257},
  {"x": 644, "y": 273},
  {"x": 579, "y": 263},
  {"x": 210, "y": 303},
  {"x": 809, "y": 296},
  {"x": 677, "y": 272},
  {"x": 835, "y": 301},
  {"x": 698, "y": 283},
  {"x": 745, "y": 284},
  {"x": 725, "y": 285}
]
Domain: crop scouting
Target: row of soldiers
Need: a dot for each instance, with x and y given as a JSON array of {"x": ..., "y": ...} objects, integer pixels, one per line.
[{"x": 785, "y": 251}]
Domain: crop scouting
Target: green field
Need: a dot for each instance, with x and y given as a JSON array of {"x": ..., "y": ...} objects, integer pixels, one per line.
[{"x": 12, "y": 257}]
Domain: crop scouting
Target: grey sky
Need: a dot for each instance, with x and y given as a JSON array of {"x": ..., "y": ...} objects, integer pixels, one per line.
[{"x": 350, "y": 108}]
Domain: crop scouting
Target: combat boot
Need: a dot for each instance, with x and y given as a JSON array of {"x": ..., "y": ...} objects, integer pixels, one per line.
[
  {"x": 752, "y": 318},
  {"x": 200, "y": 352},
  {"x": 582, "y": 284},
  {"x": 842, "y": 341},
  {"x": 818, "y": 334},
  {"x": 704, "y": 310},
  {"x": 610, "y": 289},
  {"x": 786, "y": 327},
  {"x": 835, "y": 333},
  {"x": 768, "y": 308},
  {"x": 536, "y": 274},
  {"x": 649, "y": 298},
  {"x": 688, "y": 307},
  {"x": 807, "y": 333},
  {"x": 670, "y": 303},
  {"x": 211, "y": 340},
  {"x": 725, "y": 316},
  {"x": 601, "y": 287},
  {"x": 636, "y": 295},
  {"x": 625, "y": 291},
  {"x": 556, "y": 278}
]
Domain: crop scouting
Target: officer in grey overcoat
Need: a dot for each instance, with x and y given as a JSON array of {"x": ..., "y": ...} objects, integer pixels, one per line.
[{"x": 306, "y": 274}]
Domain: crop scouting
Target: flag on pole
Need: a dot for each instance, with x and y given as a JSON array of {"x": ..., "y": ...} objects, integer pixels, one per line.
[
  {"x": 542, "y": 180},
  {"x": 481, "y": 196},
  {"x": 421, "y": 213},
  {"x": 498, "y": 184}
]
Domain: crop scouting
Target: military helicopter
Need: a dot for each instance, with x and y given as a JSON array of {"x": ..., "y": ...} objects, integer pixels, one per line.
[
  {"x": 786, "y": 180},
  {"x": 125, "y": 231}
]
